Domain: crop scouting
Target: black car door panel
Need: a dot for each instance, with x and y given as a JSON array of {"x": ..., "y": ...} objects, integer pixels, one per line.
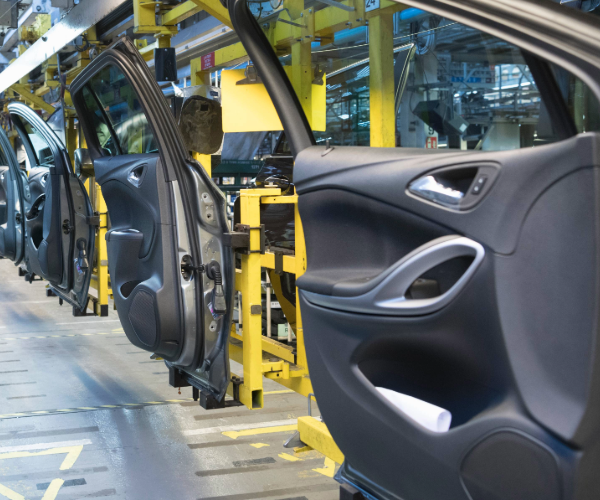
[
  {"x": 34, "y": 215},
  {"x": 141, "y": 242},
  {"x": 465, "y": 279},
  {"x": 476, "y": 338}
]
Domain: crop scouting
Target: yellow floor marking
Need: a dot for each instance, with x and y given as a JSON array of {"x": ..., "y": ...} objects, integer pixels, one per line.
[
  {"x": 152, "y": 403},
  {"x": 53, "y": 489},
  {"x": 328, "y": 469},
  {"x": 119, "y": 330},
  {"x": 259, "y": 445},
  {"x": 71, "y": 457},
  {"x": 108, "y": 406},
  {"x": 286, "y": 391},
  {"x": 72, "y": 452},
  {"x": 10, "y": 494},
  {"x": 290, "y": 458},
  {"x": 85, "y": 408},
  {"x": 302, "y": 449},
  {"x": 263, "y": 430}
]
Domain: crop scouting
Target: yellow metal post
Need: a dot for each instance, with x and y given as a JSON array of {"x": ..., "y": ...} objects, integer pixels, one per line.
[
  {"x": 381, "y": 81},
  {"x": 24, "y": 90},
  {"x": 101, "y": 306},
  {"x": 251, "y": 391},
  {"x": 205, "y": 161},
  {"x": 302, "y": 75},
  {"x": 300, "y": 246},
  {"x": 71, "y": 136}
]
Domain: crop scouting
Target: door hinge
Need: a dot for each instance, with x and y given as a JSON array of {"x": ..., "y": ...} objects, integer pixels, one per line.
[
  {"x": 91, "y": 220},
  {"x": 239, "y": 240}
]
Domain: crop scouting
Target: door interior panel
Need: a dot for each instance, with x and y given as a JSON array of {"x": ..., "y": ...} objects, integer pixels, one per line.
[
  {"x": 385, "y": 177},
  {"x": 513, "y": 351},
  {"x": 142, "y": 239},
  {"x": 34, "y": 215},
  {"x": 6, "y": 240},
  {"x": 50, "y": 249}
]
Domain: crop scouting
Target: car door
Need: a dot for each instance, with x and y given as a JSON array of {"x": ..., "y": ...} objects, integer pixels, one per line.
[
  {"x": 171, "y": 274},
  {"x": 466, "y": 277},
  {"x": 59, "y": 222},
  {"x": 14, "y": 191}
]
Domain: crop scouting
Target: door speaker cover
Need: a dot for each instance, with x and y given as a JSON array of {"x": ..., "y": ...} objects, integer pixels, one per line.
[
  {"x": 143, "y": 317},
  {"x": 510, "y": 466}
]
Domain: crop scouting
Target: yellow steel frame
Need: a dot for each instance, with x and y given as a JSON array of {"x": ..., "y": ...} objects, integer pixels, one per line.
[
  {"x": 259, "y": 355},
  {"x": 100, "y": 278},
  {"x": 25, "y": 91}
]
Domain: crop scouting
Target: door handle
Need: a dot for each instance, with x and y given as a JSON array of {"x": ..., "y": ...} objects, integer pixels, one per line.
[
  {"x": 36, "y": 207},
  {"x": 388, "y": 295},
  {"x": 82, "y": 260}
]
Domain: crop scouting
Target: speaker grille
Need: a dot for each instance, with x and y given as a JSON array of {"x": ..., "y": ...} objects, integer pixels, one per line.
[
  {"x": 143, "y": 317},
  {"x": 510, "y": 466}
]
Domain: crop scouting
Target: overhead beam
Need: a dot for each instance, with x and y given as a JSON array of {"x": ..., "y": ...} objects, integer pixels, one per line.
[
  {"x": 215, "y": 9},
  {"x": 81, "y": 18},
  {"x": 180, "y": 13}
]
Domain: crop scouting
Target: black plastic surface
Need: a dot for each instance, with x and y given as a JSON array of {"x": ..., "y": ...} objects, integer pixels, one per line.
[
  {"x": 141, "y": 243},
  {"x": 515, "y": 355}
]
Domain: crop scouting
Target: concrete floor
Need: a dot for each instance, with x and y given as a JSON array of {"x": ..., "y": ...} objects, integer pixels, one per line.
[{"x": 147, "y": 442}]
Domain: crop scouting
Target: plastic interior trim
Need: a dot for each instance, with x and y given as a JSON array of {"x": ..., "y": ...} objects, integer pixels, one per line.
[{"x": 388, "y": 297}]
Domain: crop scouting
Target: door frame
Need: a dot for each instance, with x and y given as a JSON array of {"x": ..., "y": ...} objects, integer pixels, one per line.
[{"x": 13, "y": 166}]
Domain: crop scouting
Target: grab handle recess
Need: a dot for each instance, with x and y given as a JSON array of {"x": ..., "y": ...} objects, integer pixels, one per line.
[{"x": 388, "y": 296}]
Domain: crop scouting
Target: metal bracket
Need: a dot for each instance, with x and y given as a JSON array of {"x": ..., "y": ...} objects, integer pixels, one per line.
[
  {"x": 318, "y": 80},
  {"x": 339, "y": 5},
  {"x": 251, "y": 76},
  {"x": 90, "y": 220},
  {"x": 349, "y": 492},
  {"x": 292, "y": 23},
  {"x": 278, "y": 262},
  {"x": 93, "y": 220},
  {"x": 239, "y": 240}
]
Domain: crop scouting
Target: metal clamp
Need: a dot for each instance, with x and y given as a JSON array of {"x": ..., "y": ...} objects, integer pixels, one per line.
[
  {"x": 239, "y": 240},
  {"x": 251, "y": 75}
]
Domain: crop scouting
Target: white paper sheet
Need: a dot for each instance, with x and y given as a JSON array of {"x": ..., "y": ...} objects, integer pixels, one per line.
[{"x": 432, "y": 417}]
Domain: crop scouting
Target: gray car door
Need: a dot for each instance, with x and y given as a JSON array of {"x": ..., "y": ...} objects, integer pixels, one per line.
[
  {"x": 171, "y": 274},
  {"x": 60, "y": 226},
  {"x": 463, "y": 279}
]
